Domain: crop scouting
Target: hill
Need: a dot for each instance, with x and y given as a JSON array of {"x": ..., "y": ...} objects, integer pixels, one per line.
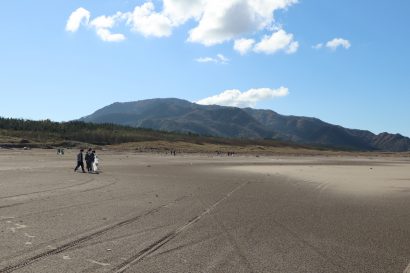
[{"x": 177, "y": 115}]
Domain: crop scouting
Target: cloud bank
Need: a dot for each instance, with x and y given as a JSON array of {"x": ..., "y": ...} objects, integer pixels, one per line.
[
  {"x": 215, "y": 22},
  {"x": 248, "y": 98}
]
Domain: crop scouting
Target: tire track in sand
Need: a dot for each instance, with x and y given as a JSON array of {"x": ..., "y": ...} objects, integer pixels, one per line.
[
  {"x": 164, "y": 240},
  {"x": 83, "y": 239}
]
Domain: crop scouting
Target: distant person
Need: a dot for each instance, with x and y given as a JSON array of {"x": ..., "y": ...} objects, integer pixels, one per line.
[
  {"x": 95, "y": 162},
  {"x": 88, "y": 160},
  {"x": 80, "y": 161}
]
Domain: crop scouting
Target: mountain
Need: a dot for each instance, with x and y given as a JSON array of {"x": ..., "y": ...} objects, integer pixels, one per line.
[{"x": 184, "y": 116}]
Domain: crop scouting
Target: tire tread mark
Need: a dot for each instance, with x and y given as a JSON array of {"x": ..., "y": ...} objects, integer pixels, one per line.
[
  {"x": 161, "y": 242},
  {"x": 10, "y": 205},
  {"x": 81, "y": 240},
  {"x": 50, "y": 190},
  {"x": 338, "y": 265},
  {"x": 93, "y": 189},
  {"x": 234, "y": 244}
]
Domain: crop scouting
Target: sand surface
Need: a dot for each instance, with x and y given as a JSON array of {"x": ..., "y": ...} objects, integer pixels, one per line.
[
  {"x": 192, "y": 213},
  {"x": 349, "y": 176}
]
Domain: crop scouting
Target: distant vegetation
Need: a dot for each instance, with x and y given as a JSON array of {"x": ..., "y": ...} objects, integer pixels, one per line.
[{"x": 45, "y": 133}]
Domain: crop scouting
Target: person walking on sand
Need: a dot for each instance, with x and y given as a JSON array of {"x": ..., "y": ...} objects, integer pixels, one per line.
[
  {"x": 88, "y": 160},
  {"x": 80, "y": 161},
  {"x": 94, "y": 162}
]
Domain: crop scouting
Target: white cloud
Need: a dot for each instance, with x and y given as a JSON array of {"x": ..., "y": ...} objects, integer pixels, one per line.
[
  {"x": 222, "y": 58},
  {"x": 292, "y": 48},
  {"x": 243, "y": 46},
  {"x": 107, "y": 36},
  {"x": 249, "y": 98},
  {"x": 278, "y": 41},
  {"x": 338, "y": 42},
  {"x": 225, "y": 20},
  {"x": 78, "y": 17},
  {"x": 180, "y": 11},
  {"x": 214, "y": 21},
  {"x": 145, "y": 20},
  {"x": 103, "y": 24},
  {"x": 206, "y": 60},
  {"x": 318, "y": 46},
  {"x": 219, "y": 59}
]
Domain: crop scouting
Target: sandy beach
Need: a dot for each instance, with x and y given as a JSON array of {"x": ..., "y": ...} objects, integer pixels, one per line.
[{"x": 204, "y": 213}]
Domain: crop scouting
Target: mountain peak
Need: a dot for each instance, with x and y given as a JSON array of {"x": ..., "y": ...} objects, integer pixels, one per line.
[{"x": 173, "y": 114}]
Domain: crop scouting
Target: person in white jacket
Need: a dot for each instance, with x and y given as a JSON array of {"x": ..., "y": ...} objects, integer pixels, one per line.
[{"x": 95, "y": 162}]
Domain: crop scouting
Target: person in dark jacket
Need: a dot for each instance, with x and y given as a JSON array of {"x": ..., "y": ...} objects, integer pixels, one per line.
[
  {"x": 80, "y": 161},
  {"x": 92, "y": 158},
  {"x": 88, "y": 160}
]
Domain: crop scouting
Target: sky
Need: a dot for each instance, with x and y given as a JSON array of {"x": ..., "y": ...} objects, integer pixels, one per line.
[{"x": 346, "y": 62}]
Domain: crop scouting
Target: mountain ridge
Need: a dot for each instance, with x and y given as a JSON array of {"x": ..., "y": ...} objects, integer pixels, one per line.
[{"x": 172, "y": 114}]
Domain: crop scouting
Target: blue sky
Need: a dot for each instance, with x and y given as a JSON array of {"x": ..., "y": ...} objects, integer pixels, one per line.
[{"x": 345, "y": 62}]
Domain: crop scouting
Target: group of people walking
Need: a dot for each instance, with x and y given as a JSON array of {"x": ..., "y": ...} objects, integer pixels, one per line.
[{"x": 91, "y": 161}]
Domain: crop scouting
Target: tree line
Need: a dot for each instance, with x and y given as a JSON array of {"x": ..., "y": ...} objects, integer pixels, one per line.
[
  {"x": 64, "y": 133},
  {"x": 101, "y": 134}
]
